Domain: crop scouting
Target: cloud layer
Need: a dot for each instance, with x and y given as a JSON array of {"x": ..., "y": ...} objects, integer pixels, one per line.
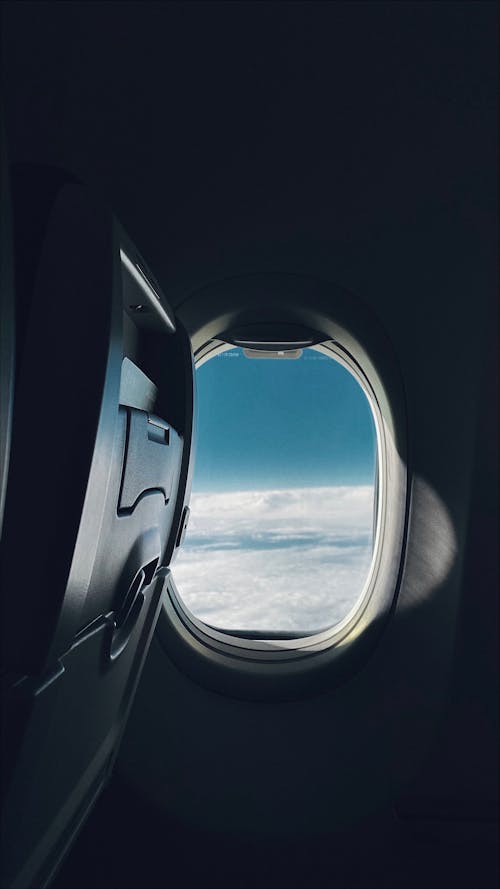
[{"x": 291, "y": 560}]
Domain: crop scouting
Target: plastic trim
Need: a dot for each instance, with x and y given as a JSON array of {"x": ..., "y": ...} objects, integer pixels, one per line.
[{"x": 289, "y": 668}]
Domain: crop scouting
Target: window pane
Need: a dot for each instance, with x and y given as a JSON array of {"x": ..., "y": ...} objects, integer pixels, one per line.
[{"x": 281, "y": 530}]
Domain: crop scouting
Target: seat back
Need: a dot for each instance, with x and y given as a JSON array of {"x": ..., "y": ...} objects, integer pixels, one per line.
[{"x": 96, "y": 498}]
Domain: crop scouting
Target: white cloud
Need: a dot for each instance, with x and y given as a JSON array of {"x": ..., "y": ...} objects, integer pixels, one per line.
[{"x": 284, "y": 559}]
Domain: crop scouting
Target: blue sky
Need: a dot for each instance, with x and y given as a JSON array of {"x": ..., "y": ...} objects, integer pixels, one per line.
[
  {"x": 280, "y": 536},
  {"x": 281, "y": 423}
]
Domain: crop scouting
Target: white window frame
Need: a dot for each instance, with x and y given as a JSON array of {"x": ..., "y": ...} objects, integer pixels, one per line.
[
  {"x": 250, "y": 645},
  {"x": 286, "y": 668}
]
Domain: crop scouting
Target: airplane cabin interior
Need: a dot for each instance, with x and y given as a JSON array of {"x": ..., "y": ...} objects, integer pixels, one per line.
[{"x": 249, "y": 445}]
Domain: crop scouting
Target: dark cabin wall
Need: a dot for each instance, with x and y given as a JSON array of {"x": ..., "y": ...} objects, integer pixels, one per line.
[{"x": 356, "y": 143}]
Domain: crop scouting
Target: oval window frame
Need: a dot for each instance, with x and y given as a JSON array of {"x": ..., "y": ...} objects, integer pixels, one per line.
[{"x": 288, "y": 668}]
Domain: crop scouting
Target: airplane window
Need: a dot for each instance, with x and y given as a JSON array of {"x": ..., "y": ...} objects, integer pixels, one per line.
[{"x": 281, "y": 534}]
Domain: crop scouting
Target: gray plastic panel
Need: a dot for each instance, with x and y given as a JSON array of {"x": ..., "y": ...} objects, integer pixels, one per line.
[{"x": 95, "y": 496}]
